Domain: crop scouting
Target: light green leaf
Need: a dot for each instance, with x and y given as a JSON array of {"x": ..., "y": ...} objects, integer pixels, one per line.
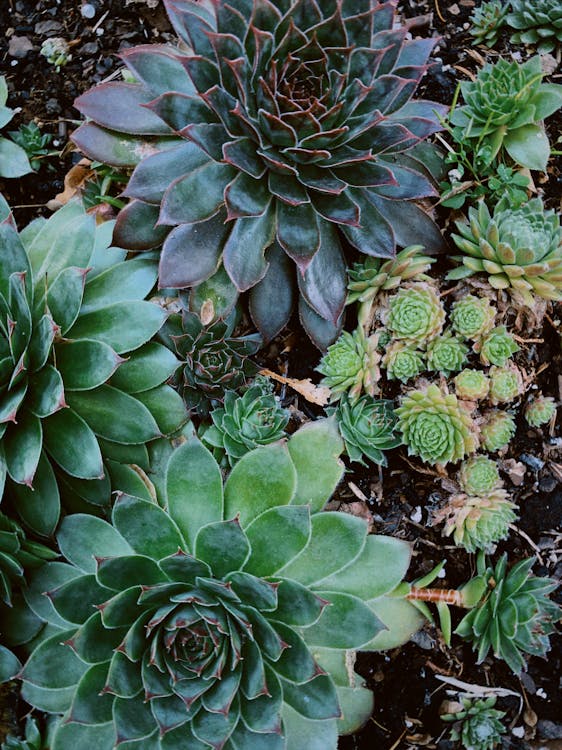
[
  {"x": 54, "y": 665},
  {"x": 400, "y": 618},
  {"x": 276, "y": 537},
  {"x": 146, "y": 527},
  {"x": 131, "y": 280},
  {"x": 166, "y": 406},
  {"x": 146, "y": 368},
  {"x": 263, "y": 478},
  {"x": 307, "y": 733},
  {"x": 64, "y": 296},
  {"x": 13, "y": 159},
  {"x": 82, "y": 538},
  {"x": 347, "y": 623},
  {"x": 223, "y": 546},
  {"x": 528, "y": 146}
]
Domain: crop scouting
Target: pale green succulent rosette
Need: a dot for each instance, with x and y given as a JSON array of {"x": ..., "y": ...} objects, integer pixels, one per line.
[
  {"x": 367, "y": 427},
  {"x": 472, "y": 317},
  {"x": 403, "y": 361},
  {"x": 506, "y": 384},
  {"x": 446, "y": 354},
  {"x": 351, "y": 365},
  {"x": 477, "y": 523},
  {"x": 415, "y": 314},
  {"x": 225, "y": 621},
  {"x": 472, "y": 385},
  {"x": 538, "y": 23},
  {"x": 497, "y": 347},
  {"x": 540, "y": 410},
  {"x": 497, "y": 430},
  {"x": 435, "y": 426},
  {"x": 82, "y": 387},
  {"x": 478, "y": 725},
  {"x": 487, "y": 20},
  {"x": 479, "y": 475}
]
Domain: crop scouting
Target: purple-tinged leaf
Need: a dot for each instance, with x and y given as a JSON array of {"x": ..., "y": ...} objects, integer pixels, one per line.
[
  {"x": 153, "y": 176},
  {"x": 224, "y": 105},
  {"x": 323, "y": 180},
  {"x": 278, "y": 284},
  {"x": 411, "y": 224},
  {"x": 359, "y": 24},
  {"x": 246, "y": 196},
  {"x": 409, "y": 184},
  {"x": 276, "y": 162},
  {"x": 192, "y": 252},
  {"x": 324, "y": 284},
  {"x": 203, "y": 72},
  {"x": 307, "y": 155},
  {"x": 383, "y": 17},
  {"x": 321, "y": 332},
  {"x": 276, "y": 130},
  {"x": 191, "y": 22},
  {"x": 368, "y": 174},
  {"x": 297, "y": 232},
  {"x": 415, "y": 52},
  {"x": 119, "y": 106},
  {"x": 180, "y": 110},
  {"x": 208, "y": 137},
  {"x": 117, "y": 149},
  {"x": 244, "y": 250},
  {"x": 363, "y": 64},
  {"x": 337, "y": 208},
  {"x": 375, "y": 236},
  {"x": 197, "y": 196},
  {"x": 287, "y": 189},
  {"x": 159, "y": 68},
  {"x": 346, "y": 155},
  {"x": 136, "y": 227},
  {"x": 242, "y": 154},
  {"x": 391, "y": 42}
]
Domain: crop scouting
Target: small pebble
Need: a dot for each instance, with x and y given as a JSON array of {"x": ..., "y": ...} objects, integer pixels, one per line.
[
  {"x": 518, "y": 732},
  {"x": 417, "y": 514},
  {"x": 541, "y": 693},
  {"x": 88, "y": 11},
  {"x": 533, "y": 462},
  {"x": 547, "y": 484}
]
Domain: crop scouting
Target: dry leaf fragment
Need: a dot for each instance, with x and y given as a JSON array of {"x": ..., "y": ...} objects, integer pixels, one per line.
[
  {"x": 315, "y": 394},
  {"x": 74, "y": 179}
]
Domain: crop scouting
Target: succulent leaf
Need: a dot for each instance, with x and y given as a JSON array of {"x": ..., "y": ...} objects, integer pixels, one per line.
[
  {"x": 471, "y": 385},
  {"x": 403, "y": 361},
  {"x": 497, "y": 347},
  {"x": 477, "y": 522},
  {"x": 415, "y": 314},
  {"x": 351, "y": 365},
  {"x": 487, "y": 20},
  {"x": 497, "y": 430},
  {"x": 477, "y": 724},
  {"x": 539, "y": 24},
  {"x": 506, "y": 384},
  {"x": 479, "y": 475},
  {"x": 540, "y": 410},
  {"x": 472, "y": 317},
  {"x": 446, "y": 354},
  {"x": 367, "y": 427}
]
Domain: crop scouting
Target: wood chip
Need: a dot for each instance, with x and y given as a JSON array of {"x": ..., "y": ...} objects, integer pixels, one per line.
[{"x": 315, "y": 394}]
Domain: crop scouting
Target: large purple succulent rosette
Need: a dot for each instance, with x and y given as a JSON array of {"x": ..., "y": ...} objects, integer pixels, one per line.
[{"x": 283, "y": 133}]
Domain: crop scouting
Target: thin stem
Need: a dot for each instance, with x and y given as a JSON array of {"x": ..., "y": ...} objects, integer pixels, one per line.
[{"x": 448, "y": 596}]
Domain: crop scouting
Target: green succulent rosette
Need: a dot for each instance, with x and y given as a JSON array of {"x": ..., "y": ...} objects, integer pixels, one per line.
[
  {"x": 513, "y": 615},
  {"x": 351, "y": 365},
  {"x": 506, "y": 384},
  {"x": 82, "y": 387},
  {"x": 503, "y": 108},
  {"x": 225, "y": 621},
  {"x": 446, "y": 354},
  {"x": 435, "y": 426},
  {"x": 245, "y": 422},
  {"x": 367, "y": 427},
  {"x": 403, "y": 361},
  {"x": 487, "y": 20},
  {"x": 538, "y": 23},
  {"x": 476, "y": 522},
  {"x": 497, "y": 347},
  {"x": 34, "y": 738},
  {"x": 471, "y": 385},
  {"x": 479, "y": 475},
  {"x": 478, "y": 725},
  {"x": 497, "y": 430},
  {"x": 472, "y": 317},
  {"x": 540, "y": 410},
  {"x": 518, "y": 249},
  {"x": 415, "y": 314}
]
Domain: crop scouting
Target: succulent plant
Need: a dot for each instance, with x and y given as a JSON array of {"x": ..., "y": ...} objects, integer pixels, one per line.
[
  {"x": 487, "y": 20},
  {"x": 57, "y": 51},
  {"x": 246, "y": 422},
  {"x": 479, "y": 475},
  {"x": 503, "y": 108},
  {"x": 471, "y": 385},
  {"x": 538, "y": 23},
  {"x": 497, "y": 430},
  {"x": 351, "y": 365},
  {"x": 17, "y": 554},
  {"x": 446, "y": 354},
  {"x": 540, "y": 410},
  {"x": 375, "y": 275},
  {"x": 14, "y": 162},
  {"x": 34, "y": 142},
  {"x": 506, "y": 384},
  {"x": 286, "y": 129},
  {"x": 435, "y": 426},
  {"x": 519, "y": 250},
  {"x": 415, "y": 314},
  {"x": 71, "y": 312},
  {"x": 472, "y": 317},
  {"x": 214, "y": 359},
  {"x": 478, "y": 725},
  {"x": 513, "y": 615},
  {"x": 477, "y": 522},
  {"x": 403, "y": 361},
  {"x": 367, "y": 427},
  {"x": 225, "y": 621},
  {"x": 496, "y": 347},
  {"x": 34, "y": 738}
]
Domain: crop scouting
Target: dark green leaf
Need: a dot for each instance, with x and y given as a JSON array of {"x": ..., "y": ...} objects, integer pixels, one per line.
[
  {"x": 82, "y": 538},
  {"x": 85, "y": 364},
  {"x": 145, "y": 368},
  {"x": 222, "y": 545},
  {"x": 73, "y": 445},
  {"x": 146, "y": 527}
]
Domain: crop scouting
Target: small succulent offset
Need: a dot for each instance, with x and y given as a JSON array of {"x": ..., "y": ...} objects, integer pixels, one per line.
[
  {"x": 506, "y": 384},
  {"x": 57, "y": 51},
  {"x": 518, "y": 249},
  {"x": 79, "y": 377},
  {"x": 215, "y": 361},
  {"x": 375, "y": 275},
  {"x": 351, "y": 365},
  {"x": 496, "y": 347},
  {"x": 446, "y": 354},
  {"x": 33, "y": 141},
  {"x": 225, "y": 621},
  {"x": 479, "y": 475},
  {"x": 403, "y": 361},
  {"x": 34, "y": 738},
  {"x": 503, "y": 108},
  {"x": 288, "y": 128},
  {"x": 476, "y": 522},
  {"x": 471, "y": 385},
  {"x": 472, "y": 317},
  {"x": 14, "y": 161},
  {"x": 496, "y": 430},
  {"x": 415, "y": 314},
  {"x": 245, "y": 422},
  {"x": 540, "y": 410},
  {"x": 538, "y": 23},
  {"x": 514, "y": 614},
  {"x": 435, "y": 426},
  {"x": 487, "y": 20},
  {"x": 367, "y": 427},
  {"x": 477, "y": 724}
]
